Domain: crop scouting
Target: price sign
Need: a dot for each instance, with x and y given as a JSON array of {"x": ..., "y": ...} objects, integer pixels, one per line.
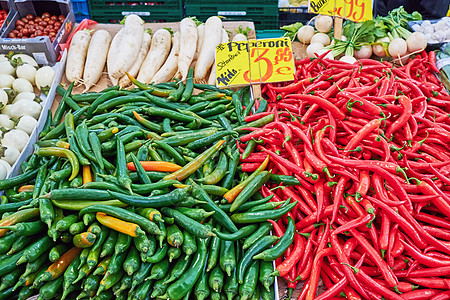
[
  {"x": 354, "y": 10},
  {"x": 254, "y": 62}
]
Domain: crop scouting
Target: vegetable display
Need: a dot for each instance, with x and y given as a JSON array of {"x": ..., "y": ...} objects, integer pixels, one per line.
[
  {"x": 150, "y": 57},
  {"x": 363, "y": 148},
  {"x": 20, "y": 108},
  {"x": 133, "y": 204}
]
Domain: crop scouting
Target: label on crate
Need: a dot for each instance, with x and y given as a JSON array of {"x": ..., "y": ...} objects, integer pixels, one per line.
[
  {"x": 139, "y": 13},
  {"x": 232, "y": 13},
  {"x": 254, "y": 62},
  {"x": 354, "y": 10}
]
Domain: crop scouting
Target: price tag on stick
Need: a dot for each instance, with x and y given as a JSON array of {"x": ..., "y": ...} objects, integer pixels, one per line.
[{"x": 254, "y": 62}]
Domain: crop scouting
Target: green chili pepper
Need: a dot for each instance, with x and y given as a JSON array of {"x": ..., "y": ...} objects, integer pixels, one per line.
[
  {"x": 189, "y": 88},
  {"x": 159, "y": 255},
  {"x": 159, "y": 270},
  {"x": 265, "y": 275},
  {"x": 252, "y": 187},
  {"x": 262, "y": 231},
  {"x": 260, "y": 216},
  {"x": 186, "y": 282},
  {"x": 201, "y": 289},
  {"x": 187, "y": 223},
  {"x": 140, "y": 275},
  {"x": 173, "y": 253},
  {"x": 53, "y": 151}
]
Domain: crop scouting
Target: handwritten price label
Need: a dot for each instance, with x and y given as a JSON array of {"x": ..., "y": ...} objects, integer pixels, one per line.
[
  {"x": 355, "y": 10},
  {"x": 254, "y": 62}
]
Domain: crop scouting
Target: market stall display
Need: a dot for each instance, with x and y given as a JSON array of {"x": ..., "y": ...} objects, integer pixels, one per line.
[{"x": 148, "y": 181}]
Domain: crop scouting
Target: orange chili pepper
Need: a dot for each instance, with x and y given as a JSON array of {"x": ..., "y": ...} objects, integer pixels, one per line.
[
  {"x": 128, "y": 228},
  {"x": 59, "y": 267},
  {"x": 26, "y": 188},
  {"x": 17, "y": 217},
  {"x": 159, "y": 166},
  {"x": 87, "y": 175},
  {"x": 234, "y": 192}
]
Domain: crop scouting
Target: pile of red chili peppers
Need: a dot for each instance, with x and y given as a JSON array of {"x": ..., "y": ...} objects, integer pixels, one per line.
[{"x": 364, "y": 149}]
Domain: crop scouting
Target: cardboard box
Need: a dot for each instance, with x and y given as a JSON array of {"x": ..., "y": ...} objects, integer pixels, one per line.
[
  {"x": 41, "y": 48},
  {"x": 7, "y": 5}
]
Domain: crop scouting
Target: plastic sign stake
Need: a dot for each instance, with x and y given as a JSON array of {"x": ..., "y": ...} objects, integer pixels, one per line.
[{"x": 254, "y": 62}]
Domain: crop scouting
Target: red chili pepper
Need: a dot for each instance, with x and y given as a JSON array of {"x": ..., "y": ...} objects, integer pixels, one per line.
[
  {"x": 323, "y": 103},
  {"x": 432, "y": 61},
  {"x": 291, "y": 260}
]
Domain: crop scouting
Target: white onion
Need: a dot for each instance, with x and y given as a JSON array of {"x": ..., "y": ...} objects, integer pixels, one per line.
[
  {"x": 5, "y": 121},
  {"x": 329, "y": 54},
  {"x": 349, "y": 59},
  {"x": 27, "y": 124},
  {"x": 322, "y": 38},
  {"x": 27, "y": 72},
  {"x": 22, "y": 85},
  {"x": 416, "y": 42},
  {"x": 324, "y": 23},
  {"x": 364, "y": 52},
  {"x": 6, "y": 68},
  {"x": 6, "y": 81},
  {"x": 25, "y": 59},
  {"x": 24, "y": 95},
  {"x": 16, "y": 138},
  {"x": 313, "y": 48},
  {"x": 305, "y": 33},
  {"x": 25, "y": 107},
  {"x": 378, "y": 50},
  {"x": 5, "y": 168},
  {"x": 397, "y": 48}
]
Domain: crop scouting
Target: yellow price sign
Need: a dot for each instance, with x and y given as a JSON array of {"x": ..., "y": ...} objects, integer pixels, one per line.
[
  {"x": 354, "y": 10},
  {"x": 254, "y": 61}
]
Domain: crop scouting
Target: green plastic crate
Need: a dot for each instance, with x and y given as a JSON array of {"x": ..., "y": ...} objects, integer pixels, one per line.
[
  {"x": 269, "y": 33},
  {"x": 112, "y": 11},
  {"x": 263, "y": 16}
]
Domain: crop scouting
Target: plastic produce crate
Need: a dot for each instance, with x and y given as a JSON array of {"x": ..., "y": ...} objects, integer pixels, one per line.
[
  {"x": 7, "y": 5},
  {"x": 290, "y": 15},
  {"x": 268, "y": 33},
  {"x": 113, "y": 11},
  {"x": 80, "y": 10},
  {"x": 264, "y": 16}
]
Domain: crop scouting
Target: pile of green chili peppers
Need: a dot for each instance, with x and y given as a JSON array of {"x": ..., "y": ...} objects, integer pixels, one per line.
[{"x": 184, "y": 241}]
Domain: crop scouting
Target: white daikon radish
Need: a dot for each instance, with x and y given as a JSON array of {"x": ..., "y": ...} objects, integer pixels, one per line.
[
  {"x": 76, "y": 57},
  {"x": 44, "y": 78},
  {"x": 5, "y": 168},
  {"x": 213, "y": 36},
  {"x": 416, "y": 42},
  {"x": 322, "y": 38},
  {"x": 112, "y": 54},
  {"x": 25, "y": 59},
  {"x": 129, "y": 46},
  {"x": 378, "y": 50},
  {"x": 200, "y": 36},
  {"x": 305, "y": 34},
  {"x": 397, "y": 48},
  {"x": 27, "y": 124},
  {"x": 22, "y": 85},
  {"x": 324, "y": 23},
  {"x": 364, "y": 52},
  {"x": 6, "y": 122},
  {"x": 134, "y": 70},
  {"x": 15, "y": 138},
  {"x": 6, "y": 81},
  {"x": 313, "y": 48},
  {"x": 213, "y": 74},
  {"x": 156, "y": 56},
  {"x": 347, "y": 58},
  {"x": 7, "y": 68},
  {"x": 170, "y": 67},
  {"x": 27, "y": 72},
  {"x": 9, "y": 154},
  {"x": 188, "y": 46},
  {"x": 3, "y": 57},
  {"x": 3, "y": 98},
  {"x": 25, "y": 107},
  {"x": 96, "y": 58}
]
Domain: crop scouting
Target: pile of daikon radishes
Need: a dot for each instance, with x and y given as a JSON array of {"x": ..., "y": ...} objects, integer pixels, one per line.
[
  {"x": 20, "y": 108},
  {"x": 156, "y": 58}
]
